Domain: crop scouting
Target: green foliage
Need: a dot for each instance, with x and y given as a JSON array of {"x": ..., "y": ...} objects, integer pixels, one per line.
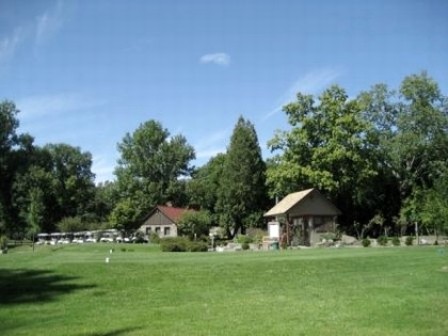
[
  {"x": 373, "y": 154},
  {"x": 35, "y": 211},
  {"x": 396, "y": 241},
  {"x": 174, "y": 244},
  {"x": 382, "y": 240},
  {"x": 197, "y": 246},
  {"x": 71, "y": 224},
  {"x": 434, "y": 209},
  {"x": 154, "y": 238},
  {"x": 126, "y": 215},
  {"x": 245, "y": 246},
  {"x": 182, "y": 244},
  {"x": 366, "y": 242},
  {"x": 106, "y": 198},
  {"x": 139, "y": 237},
  {"x": 194, "y": 223},
  {"x": 329, "y": 236},
  {"x": 326, "y": 148},
  {"x": 409, "y": 241},
  {"x": 151, "y": 165},
  {"x": 3, "y": 242},
  {"x": 242, "y": 191},
  {"x": 73, "y": 180},
  {"x": 203, "y": 188},
  {"x": 241, "y": 239}
]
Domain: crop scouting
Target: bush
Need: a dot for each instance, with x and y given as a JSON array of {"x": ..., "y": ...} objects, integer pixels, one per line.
[
  {"x": 366, "y": 242},
  {"x": 182, "y": 244},
  {"x": 241, "y": 239},
  {"x": 245, "y": 246},
  {"x": 197, "y": 246},
  {"x": 382, "y": 240},
  {"x": 329, "y": 236},
  {"x": 3, "y": 243},
  {"x": 396, "y": 241},
  {"x": 174, "y": 244},
  {"x": 154, "y": 238},
  {"x": 409, "y": 240}
]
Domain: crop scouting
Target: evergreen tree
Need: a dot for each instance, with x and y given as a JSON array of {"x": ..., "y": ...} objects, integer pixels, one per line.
[{"x": 242, "y": 192}]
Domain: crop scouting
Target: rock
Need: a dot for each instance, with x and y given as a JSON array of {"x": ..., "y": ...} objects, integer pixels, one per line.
[{"x": 348, "y": 240}]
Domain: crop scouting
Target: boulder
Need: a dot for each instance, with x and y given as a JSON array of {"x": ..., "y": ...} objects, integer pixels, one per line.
[{"x": 348, "y": 240}]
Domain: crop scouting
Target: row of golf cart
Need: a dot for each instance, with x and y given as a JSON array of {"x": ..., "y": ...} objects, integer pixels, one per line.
[{"x": 103, "y": 236}]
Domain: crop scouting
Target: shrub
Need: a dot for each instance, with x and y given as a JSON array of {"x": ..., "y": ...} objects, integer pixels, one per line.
[
  {"x": 3, "y": 243},
  {"x": 174, "y": 244},
  {"x": 197, "y": 246},
  {"x": 245, "y": 246},
  {"x": 382, "y": 240},
  {"x": 366, "y": 242},
  {"x": 182, "y": 244},
  {"x": 329, "y": 236},
  {"x": 241, "y": 239},
  {"x": 154, "y": 238},
  {"x": 409, "y": 240},
  {"x": 396, "y": 241}
]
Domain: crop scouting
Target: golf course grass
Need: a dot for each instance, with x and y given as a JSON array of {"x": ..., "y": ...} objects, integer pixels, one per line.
[{"x": 71, "y": 290}]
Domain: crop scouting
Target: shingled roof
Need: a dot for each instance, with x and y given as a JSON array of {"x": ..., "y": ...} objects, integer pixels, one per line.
[
  {"x": 291, "y": 200},
  {"x": 174, "y": 214}
]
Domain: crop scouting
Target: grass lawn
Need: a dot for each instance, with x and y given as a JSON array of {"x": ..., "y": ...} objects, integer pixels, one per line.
[{"x": 70, "y": 290}]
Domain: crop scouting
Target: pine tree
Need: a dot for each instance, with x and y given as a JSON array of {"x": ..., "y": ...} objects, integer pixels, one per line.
[{"x": 242, "y": 193}]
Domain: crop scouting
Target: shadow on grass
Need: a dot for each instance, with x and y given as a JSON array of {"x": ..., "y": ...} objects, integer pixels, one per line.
[
  {"x": 34, "y": 286},
  {"x": 117, "y": 332}
]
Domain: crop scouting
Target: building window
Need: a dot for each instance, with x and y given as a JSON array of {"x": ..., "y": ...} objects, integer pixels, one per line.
[
  {"x": 148, "y": 230},
  {"x": 158, "y": 230},
  {"x": 166, "y": 231}
]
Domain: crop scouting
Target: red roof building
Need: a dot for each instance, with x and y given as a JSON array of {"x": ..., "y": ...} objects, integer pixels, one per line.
[{"x": 163, "y": 220}]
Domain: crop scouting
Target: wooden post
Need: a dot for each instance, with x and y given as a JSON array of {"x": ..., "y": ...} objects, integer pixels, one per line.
[
  {"x": 416, "y": 232},
  {"x": 287, "y": 230}
]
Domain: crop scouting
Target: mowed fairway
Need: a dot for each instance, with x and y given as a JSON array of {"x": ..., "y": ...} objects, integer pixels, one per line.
[{"x": 70, "y": 290}]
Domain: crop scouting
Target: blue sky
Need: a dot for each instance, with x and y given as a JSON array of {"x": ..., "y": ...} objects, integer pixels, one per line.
[{"x": 87, "y": 72}]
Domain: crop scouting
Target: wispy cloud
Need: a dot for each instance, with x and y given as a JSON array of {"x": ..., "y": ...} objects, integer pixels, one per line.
[
  {"x": 103, "y": 168},
  {"x": 33, "y": 107},
  {"x": 49, "y": 22},
  {"x": 222, "y": 59},
  {"x": 9, "y": 45},
  {"x": 311, "y": 83},
  {"x": 212, "y": 144},
  {"x": 36, "y": 32}
]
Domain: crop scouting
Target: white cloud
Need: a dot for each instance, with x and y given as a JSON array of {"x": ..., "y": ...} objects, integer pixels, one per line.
[
  {"x": 49, "y": 23},
  {"x": 222, "y": 59},
  {"x": 37, "y": 31},
  {"x": 9, "y": 45},
  {"x": 311, "y": 83},
  {"x": 103, "y": 169},
  {"x": 44, "y": 105},
  {"x": 212, "y": 145}
]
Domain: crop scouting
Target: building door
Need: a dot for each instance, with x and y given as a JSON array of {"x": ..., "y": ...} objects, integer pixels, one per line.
[{"x": 305, "y": 232}]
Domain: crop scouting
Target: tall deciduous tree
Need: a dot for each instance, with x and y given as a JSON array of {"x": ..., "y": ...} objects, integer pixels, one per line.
[
  {"x": 150, "y": 171},
  {"x": 15, "y": 157},
  {"x": 419, "y": 149},
  {"x": 8, "y": 139},
  {"x": 35, "y": 213},
  {"x": 326, "y": 148},
  {"x": 203, "y": 188},
  {"x": 242, "y": 192},
  {"x": 73, "y": 178}
]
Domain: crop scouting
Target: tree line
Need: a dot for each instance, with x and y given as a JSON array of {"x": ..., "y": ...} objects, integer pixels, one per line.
[{"x": 381, "y": 157}]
